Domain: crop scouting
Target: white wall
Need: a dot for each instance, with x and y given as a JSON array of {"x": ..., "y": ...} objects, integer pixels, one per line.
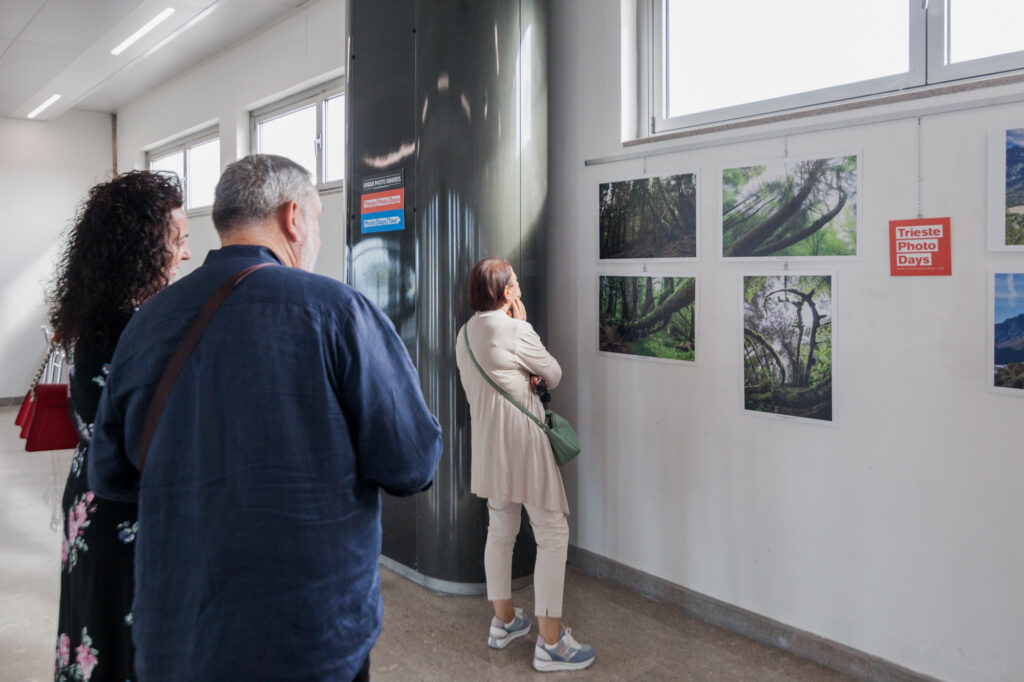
[
  {"x": 895, "y": 531},
  {"x": 303, "y": 50},
  {"x": 46, "y": 169}
]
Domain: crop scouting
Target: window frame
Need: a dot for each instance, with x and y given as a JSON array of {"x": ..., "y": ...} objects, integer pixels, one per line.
[
  {"x": 183, "y": 144},
  {"x": 973, "y": 68},
  {"x": 927, "y": 68},
  {"x": 282, "y": 107}
]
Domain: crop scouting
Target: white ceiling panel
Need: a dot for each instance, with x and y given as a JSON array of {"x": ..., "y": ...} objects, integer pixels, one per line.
[
  {"x": 136, "y": 79},
  {"x": 63, "y": 46},
  {"x": 27, "y": 65},
  {"x": 10, "y": 98},
  {"x": 75, "y": 24},
  {"x": 15, "y": 15}
]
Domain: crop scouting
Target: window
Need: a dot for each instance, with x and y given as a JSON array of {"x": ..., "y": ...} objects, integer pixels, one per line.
[
  {"x": 712, "y": 62},
  {"x": 308, "y": 129},
  {"x": 196, "y": 161}
]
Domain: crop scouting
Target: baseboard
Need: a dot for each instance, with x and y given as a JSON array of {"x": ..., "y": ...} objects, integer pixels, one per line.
[
  {"x": 12, "y": 400},
  {"x": 839, "y": 657}
]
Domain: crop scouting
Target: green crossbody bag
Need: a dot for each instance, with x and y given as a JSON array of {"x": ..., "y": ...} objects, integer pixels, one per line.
[{"x": 564, "y": 441}]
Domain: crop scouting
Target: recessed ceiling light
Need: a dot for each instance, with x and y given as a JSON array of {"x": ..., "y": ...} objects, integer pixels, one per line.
[
  {"x": 38, "y": 110},
  {"x": 142, "y": 31}
]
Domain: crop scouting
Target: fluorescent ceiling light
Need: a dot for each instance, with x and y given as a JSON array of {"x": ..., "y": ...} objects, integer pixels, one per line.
[
  {"x": 142, "y": 31},
  {"x": 38, "y": 110}
]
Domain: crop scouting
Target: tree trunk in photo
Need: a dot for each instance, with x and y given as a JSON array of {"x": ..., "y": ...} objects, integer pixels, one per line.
[
  {"x": 626, "y": 312},
  {"x": 659, "y": 317},
  {"x": 634, "y": 297},
  {"x": 748, "y": 243},
  {"x": 668, "y": 285},
  {"x": 753, "y": 336},
  {"x": 649, "y": 295}
]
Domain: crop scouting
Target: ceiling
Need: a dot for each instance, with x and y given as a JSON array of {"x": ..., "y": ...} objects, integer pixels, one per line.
[{"x": 63, "y": 47}]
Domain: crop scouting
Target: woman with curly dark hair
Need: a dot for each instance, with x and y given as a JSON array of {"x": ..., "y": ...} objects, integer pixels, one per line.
[{"x": 126, "y": 244}]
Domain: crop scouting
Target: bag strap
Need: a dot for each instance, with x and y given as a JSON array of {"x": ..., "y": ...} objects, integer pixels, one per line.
[
  {"x": 499, "y": 389},
  {"x": 181, "y": 355}
]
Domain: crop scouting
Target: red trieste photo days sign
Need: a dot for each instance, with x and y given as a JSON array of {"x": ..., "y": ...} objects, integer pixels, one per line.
[{"x": 920, "y": 247}]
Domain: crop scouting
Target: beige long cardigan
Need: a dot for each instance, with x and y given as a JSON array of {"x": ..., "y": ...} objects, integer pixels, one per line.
[{"x": 511, "y": 455}]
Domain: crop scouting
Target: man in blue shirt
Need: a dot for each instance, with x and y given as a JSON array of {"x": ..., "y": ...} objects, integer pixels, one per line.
[{"x": 259, "y": 505}]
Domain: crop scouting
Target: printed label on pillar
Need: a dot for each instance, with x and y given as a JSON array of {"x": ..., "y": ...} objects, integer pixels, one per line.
[{"x": 382, "y": 204}]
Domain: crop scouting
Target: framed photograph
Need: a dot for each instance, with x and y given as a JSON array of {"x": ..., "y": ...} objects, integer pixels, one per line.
[
  {"x": 788, "y": 336},
  {"x": 1006, "y": 189},
  {"x": 791, "y": 209},
  {"x": 650, "y": 316},
  {"x": 648, "y": 218},
  {"x": 1006, "y": 331}
]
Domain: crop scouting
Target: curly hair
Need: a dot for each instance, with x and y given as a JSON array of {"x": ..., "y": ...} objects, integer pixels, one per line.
[{"x": 116, "y": 256}]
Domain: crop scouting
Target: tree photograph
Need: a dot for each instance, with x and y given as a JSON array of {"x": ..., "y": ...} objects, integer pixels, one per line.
[
  {"x": 1008, "y": 333},
  {"x": 1015, "y": 187},
  {"x": 788, "y": 208},
  {"x": 650, "y": 316},
  {"x": 787, "y": 345},
  {"x": 649, "y": 217}
]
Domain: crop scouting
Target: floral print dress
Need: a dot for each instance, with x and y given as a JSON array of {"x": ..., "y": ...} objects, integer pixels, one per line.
[{"x": 97, "y": 553}]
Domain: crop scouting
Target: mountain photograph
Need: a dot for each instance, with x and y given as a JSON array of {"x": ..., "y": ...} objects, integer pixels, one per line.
[
  {"x": 1015, "y": 187},
  {"x": 1008, "y": 334}
]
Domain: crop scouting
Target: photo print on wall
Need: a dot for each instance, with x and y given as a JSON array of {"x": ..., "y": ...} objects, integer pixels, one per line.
[
  {"x": 1006, "y": 190},
  {"x": 791, "y": 208},
  {"x": 653, "y": 317},
  {"x": 787, "y": 344},
  {"x": 1006, "y": 340},
  {"x": 648, "y": 218}
]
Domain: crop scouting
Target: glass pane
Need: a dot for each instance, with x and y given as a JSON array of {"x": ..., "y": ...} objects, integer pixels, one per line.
[
  {"x": 777, "y": 48},
  {"x": 203, "y": 172},
  {"x": 983, "y": 28},
  {"x": 292, "y": 135},
  {"x": 334, "y": 138},
  {"x": 173, "y": 162}
]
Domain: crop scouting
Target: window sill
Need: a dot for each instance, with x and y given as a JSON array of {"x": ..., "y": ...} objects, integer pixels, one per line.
[{"x": 911, "y": 103}]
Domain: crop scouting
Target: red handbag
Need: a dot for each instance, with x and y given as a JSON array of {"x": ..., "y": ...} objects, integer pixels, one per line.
[
  {"x": 44, "y": 417},
  {"x": 50, "y": 427},
  {"x": 31, "y": 400},
  {"x": 26, "y": 408}
]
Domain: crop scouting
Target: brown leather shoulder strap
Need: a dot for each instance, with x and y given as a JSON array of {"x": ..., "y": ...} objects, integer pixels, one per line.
[{"x": 181, "y": 356}]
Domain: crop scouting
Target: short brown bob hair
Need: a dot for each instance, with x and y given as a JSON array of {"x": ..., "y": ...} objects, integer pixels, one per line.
[{"x": 487, "y": 282}]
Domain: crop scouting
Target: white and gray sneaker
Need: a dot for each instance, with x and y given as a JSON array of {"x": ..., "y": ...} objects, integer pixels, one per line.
[
  {"x": 503, "y": 634},
  {"x": 565, "y": 654}
]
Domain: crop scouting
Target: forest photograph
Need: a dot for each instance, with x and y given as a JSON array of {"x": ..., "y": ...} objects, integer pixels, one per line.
[
  {"x": 1008, "y": 332},
  {"x": 649, "y": 316},
  {"x": 649, "y": 217},
  {"x": 1015, "y": 187},
  {"x": 790, "y": 209},
  {"x": 787, "y": 345}
]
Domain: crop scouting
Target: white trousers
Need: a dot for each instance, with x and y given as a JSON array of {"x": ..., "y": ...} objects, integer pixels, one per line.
[{"x": 551, "y": 531}]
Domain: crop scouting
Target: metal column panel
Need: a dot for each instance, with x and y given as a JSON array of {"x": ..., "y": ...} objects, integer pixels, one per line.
[{"x": 454, "y": 93}]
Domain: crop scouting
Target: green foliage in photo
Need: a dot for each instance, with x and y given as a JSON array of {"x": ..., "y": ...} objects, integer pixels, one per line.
[
  {"x": 790, "y": 209},
  {"x": 787, "y": 345},
  {"x": 650, "y": 316},
  {"x": 649, "y": 217}
]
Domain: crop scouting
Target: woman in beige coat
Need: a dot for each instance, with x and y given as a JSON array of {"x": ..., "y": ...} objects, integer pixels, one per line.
[{"x": 512, "y": 462}]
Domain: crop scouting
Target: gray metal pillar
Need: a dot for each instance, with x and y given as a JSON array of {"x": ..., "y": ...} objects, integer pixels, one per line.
[{"x": 448, "y": 99}]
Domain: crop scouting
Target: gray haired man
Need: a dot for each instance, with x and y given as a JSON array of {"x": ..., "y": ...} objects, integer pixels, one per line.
[{"x": 259, "y": 506}]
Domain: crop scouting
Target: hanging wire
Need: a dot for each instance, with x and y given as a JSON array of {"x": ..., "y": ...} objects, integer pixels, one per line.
[{"x": 919, "y": 213}]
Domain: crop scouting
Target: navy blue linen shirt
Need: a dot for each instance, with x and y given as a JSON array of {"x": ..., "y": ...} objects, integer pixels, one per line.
[{"x": 259, "y": 510}]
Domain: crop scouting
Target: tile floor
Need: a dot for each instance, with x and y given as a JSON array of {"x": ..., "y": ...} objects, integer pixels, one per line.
[{"x": 427, "y": 636}]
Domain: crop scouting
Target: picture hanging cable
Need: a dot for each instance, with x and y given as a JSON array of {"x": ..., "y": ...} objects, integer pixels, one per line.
[{"x": 919, "y": 213}]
